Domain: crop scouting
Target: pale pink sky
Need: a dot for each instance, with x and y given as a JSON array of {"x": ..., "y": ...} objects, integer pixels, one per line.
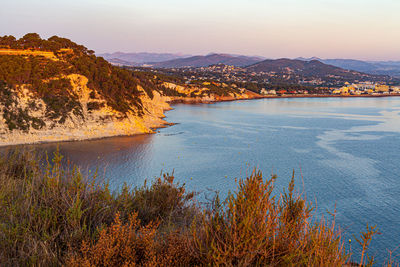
[{"x": 360, "y": 29}]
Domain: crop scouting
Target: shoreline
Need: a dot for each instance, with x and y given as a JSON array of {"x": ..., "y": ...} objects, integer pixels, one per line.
[
  {"x": 187, "y": 102},
  {"x": 79, "y": 139},
  {"x": 195, "y": 101},
  {"x": 329, "y": 96}
]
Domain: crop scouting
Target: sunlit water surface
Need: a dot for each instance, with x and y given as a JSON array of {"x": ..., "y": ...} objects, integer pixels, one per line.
[{"x": 344, "y": 150}]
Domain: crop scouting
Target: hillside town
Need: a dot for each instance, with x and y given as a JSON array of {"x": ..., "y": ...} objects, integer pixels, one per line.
[{"x": 283, "y": 81}]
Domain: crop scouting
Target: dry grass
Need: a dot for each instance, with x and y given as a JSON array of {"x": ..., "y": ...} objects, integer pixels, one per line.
[
  {"x": 26, "y": 52},
  {"x": 132, "y": 244},
  {"x": 53, "y": 216},
  {"x": 46, "y": 213}
]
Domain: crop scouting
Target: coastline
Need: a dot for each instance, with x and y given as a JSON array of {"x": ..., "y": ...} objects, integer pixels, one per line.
[
  {"x": 328, "y": 96},
  {"x": 162, "y": 123},
  {"x": 197, "y": 101}
]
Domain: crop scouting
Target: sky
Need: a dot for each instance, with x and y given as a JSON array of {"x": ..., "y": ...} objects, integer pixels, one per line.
[{"x": 358, "y": 29}]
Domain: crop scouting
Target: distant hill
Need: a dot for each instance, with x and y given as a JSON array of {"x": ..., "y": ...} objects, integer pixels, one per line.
[
  {"x": 132, "y": 59},
  {"x": 350, "y": 64},
  {"x": 391, "y": 68},
  {"x": 307, "y": 68},
  {"x": 211, "y": 59},
  {"x": 312, "y": 68},
  {"x": 120, "y": 62}
]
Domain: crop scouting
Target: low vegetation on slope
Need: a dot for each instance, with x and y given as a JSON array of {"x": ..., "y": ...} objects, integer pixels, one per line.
[
  {"x": 16, "y": 118},
  {"x": 45, "y": 76},
  {"x": 194, "y": 88},
  {"x": 54, "y": 216}
]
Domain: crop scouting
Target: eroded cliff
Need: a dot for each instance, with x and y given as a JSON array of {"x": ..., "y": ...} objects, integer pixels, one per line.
[{"x": 25, "y": 118}]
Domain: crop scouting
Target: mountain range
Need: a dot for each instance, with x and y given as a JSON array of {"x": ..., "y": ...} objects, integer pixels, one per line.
[
  {"x": 207, "y": 60},
  {"x": 132, "y": 59},
  {"x": 178, "y": 60},
  {"x": 391, "y": 68},
  {"x": 171, "y": 60},
  {"x": 299, "y": 67}
]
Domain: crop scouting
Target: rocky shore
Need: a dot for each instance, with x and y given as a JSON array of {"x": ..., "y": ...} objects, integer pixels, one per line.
[{"x": 101, "y": 123}]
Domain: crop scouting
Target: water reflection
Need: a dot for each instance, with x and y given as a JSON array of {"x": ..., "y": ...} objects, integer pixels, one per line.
[{"x": 112, "y": 157}]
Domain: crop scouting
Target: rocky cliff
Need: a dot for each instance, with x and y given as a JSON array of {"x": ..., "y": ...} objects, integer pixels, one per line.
[
  {"x": 24, "y": 119},
  {"x": 56, "y": 90}
]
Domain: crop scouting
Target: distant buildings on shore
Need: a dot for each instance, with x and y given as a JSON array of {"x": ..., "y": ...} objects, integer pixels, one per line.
[
  {"x": 282, "y": 92},
  {"x": 362, "y": 88},
  {"x": 366, "y": 88}
]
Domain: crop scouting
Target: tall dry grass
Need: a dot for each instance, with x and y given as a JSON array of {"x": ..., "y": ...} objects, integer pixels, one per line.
[
  {"x": 53, "y": 216},
  {"x": 47, "y": 212}
]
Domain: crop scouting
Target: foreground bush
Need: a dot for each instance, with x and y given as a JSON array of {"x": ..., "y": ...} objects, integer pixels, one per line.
[
  {"x": 132, "y": 244},
  {"x": 254, "y": 227},
  {"x": 52, "y": 216},
  {"x": 47, "y": 212}
]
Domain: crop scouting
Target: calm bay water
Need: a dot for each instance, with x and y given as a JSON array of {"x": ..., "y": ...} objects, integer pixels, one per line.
[{"x": 346, "y": 150}]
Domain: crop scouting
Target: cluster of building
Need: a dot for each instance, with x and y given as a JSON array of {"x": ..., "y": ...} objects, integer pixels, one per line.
[
  {"x": 239, "y": 77},
  {"x": 282, "y": 92},
  {"x": 366, "y": 88}
]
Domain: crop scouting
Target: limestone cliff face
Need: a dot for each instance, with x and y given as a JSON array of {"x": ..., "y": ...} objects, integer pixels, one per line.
[{"x": 96, "y": 119}]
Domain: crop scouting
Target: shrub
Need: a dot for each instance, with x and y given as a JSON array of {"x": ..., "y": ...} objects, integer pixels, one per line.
[
  {"x": 94, "y": 106},
  {"x": 163, "y": 200},
  {"x": 121, "y": 244},
  {"x": 16, "y": 118},
  {"x": 132, "y": 244},
  {"x": 255, "y": 227}
]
